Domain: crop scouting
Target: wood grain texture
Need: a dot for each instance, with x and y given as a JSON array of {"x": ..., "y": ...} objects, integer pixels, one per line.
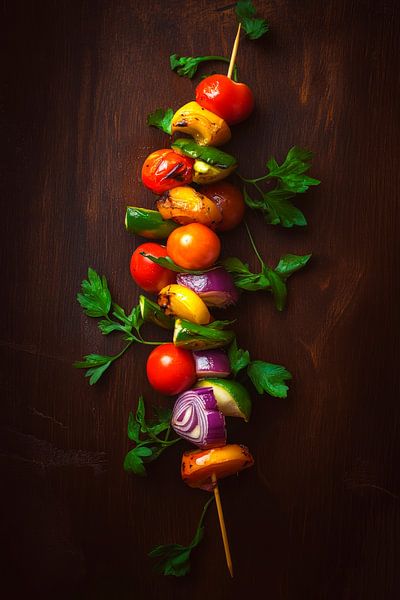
[{"x": 318, "y": 518}]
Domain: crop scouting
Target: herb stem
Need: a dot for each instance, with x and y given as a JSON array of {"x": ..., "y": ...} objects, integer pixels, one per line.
[
  {"x": 122, "y": 351},
  {"x": 203, "y": 514},
  {"x": 253, "y": 244}
]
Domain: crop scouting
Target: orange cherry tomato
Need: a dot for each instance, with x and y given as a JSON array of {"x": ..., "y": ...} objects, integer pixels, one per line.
[
  {"x": 229, "y": 200},
  {"x": 193, "y": 246},
  {"x": 165, "y": 169}
]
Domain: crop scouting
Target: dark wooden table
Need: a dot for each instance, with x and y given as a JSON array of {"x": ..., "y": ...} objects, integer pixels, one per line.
[{"x": 318, "y": 517}]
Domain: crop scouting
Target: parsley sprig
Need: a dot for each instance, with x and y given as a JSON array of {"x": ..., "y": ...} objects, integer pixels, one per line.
[
  {"x": 145, "y": 434},
  {"x": 96, "y": 301},
  {"x": 275, "y": 204},
  {"x": 268, "y": 279},
  {"x": 174, "y": 559},
  {"x": 162, "y": 119},
  {"x": 186, "y": 66},
  {"x": 266, "y": 377},
  {"x": 252, "y": 26}
]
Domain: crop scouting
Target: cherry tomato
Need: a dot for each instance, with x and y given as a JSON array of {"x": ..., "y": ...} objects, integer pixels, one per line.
[
  {"x": 149, "y": 276},
  {"x": 232, "y": 101},
  {"x": 193, "y": 246},
  {"x": 171, "y": 370},
  {"x": 165, "y": 169},
  {"x": 229, "y": 200}
]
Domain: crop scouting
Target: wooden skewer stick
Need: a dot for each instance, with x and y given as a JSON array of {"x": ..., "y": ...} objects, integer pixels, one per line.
[
  {"x": 222, "y": 524},
  {"x": 234, "y": 52}
]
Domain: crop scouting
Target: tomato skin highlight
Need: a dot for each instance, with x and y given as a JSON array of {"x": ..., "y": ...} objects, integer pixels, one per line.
[
  {"x": 230, "y": 202},
  {"x": 147, "y": 274},
  {"x": 231, "y": 101},
  {"x": 165, "y": 169},
  {"x": 193, "y": 246},
  {"x": 170, "y": 370}
]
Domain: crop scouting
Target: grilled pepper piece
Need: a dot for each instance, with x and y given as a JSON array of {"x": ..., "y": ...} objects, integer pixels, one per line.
[
  {"x": 185, "y": 205},
  {"x": 207, "y": 154},
  {"x": 203, "y": 173},
  {"x": 147, "y": 223},
  {"x": 206, "y": 128},
  {"x": 197, "y": 337},
  {"x": 152, "y": 313},
  {"x": 181, "y": 302},
  {"x": 197, "y": 467}
]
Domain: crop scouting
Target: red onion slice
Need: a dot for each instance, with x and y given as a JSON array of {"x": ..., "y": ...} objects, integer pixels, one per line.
[
  {"x": 216, "y": 288},
  {"x": 196, "y": 418},
  {"x": 212, "y": 363}
]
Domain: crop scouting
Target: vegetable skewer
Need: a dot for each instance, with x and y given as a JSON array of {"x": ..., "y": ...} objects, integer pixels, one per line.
[
  {"x": 222, "y": 524},
  {"x": 234, "y": 52}
]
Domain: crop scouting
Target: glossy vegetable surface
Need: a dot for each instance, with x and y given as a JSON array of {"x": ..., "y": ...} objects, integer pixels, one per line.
[
  {"x": 212, "y": 363},
  {"x": 152, "y": 313},
  {"x": 170, "y": 370},
  {"x": 215, "y": 287},
  {"x": 230, "y": 202},
  {"x": 196, "y": 418},
  {"x": 197, "y": 467},
  {"x": 148, "y": 223},
  {"x": 199, "y": 337},
  {"x": 193, "y": 246},
  {"x": 232, "y": 398},
  {"x": 182, "y": 302},
  {"x": 147, "y": 274},
  {"x": 231, "y": 101},
  {"x": 185, "y": 205},
  {"x": 207, "y": 128},
  {"x": 164, "y": 169}
]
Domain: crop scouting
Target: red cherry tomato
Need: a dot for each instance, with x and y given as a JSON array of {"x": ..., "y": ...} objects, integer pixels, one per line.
[
  {"x": 229, "y": 200},
  {"x": 165, "y": 169},
  {"x": 193, "y": 246},
  {"x": 229, "y": 100},
  {"x": 149, "y": 276},
  {"x": 171, "y": 370}
]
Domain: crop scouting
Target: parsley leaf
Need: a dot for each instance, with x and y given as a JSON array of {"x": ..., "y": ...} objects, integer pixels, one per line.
[
  {"x": 161, "y": 119},
  {"x": 144, "y": 433},
  {"x": 271, "y": 280},
  {"x": 174, "y": 559},
  {"x": 238, "y": 358},
  {"x": 253, "y": 27},
  {"x": 270, "y": 378},
  {"x": 186, "y": 66},
  {"x": 95, "y": 298},
  {"x": 275, "y": 204},
  {"x": 96, "y": 301}
]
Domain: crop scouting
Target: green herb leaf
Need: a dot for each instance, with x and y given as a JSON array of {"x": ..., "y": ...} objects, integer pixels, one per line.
[
  {"x": 278, "y": 287},
  {"x": 133, "y": 428},
  {"x": 145, "y": 435},
  {"x": 95, "y": 298},
  {"x": 174, "y": 559},
  {"x": 275, "y": 204},
  {"x": 185, "y": 66},
  {"x": 291, "y": 172},
  {"x": 95, "y": 373},
  {"x": 253, "y": 27},
  {"x": 238, "y": 358},
  {"x": 107, "y": 327},
  {"x": 92, "y": 360},
  {"x": 134, "y": 463},
  {"x": 270, "y": 378},
  {"x": 168, "y": 263},
  {"x": 290, "y": 263},
  {"x": 161, "y": 119}
]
